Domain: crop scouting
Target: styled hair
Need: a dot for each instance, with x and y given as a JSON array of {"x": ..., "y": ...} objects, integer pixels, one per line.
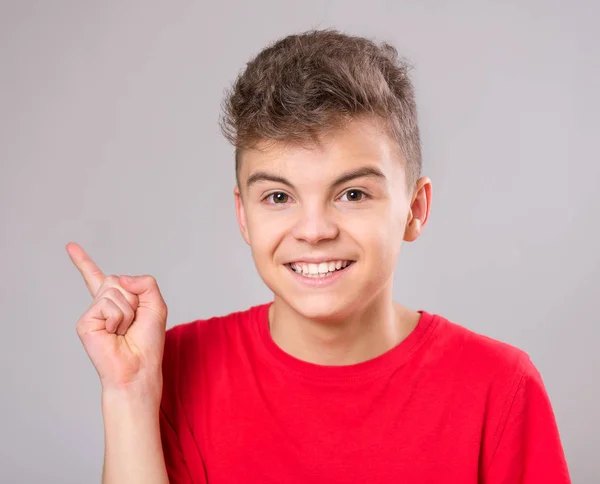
[{"x": 304, "y": 85}]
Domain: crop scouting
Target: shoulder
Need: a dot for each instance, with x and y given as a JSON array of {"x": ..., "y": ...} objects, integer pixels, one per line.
[
  {"x": 195, "y": 340},
  {"x": 481, "y": 371},
  {"x": 483, "y": 353},
  {"x": 489, "y": 372},
  {"x": 496, "y": 393},
  {"x": 195, "y": 332}
]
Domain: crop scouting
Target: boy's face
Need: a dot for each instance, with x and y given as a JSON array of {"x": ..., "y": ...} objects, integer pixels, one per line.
[{"x": 326, "y": 224}]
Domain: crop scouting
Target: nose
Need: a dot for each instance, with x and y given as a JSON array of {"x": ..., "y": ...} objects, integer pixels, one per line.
[{"x": 315, "y": 225}]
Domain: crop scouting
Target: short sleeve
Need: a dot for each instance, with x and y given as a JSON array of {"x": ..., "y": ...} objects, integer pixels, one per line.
[
  {"x": 529, "y": 448},
  {"x": 182, "y": 458},
  {"x": 175, "y": 463}
]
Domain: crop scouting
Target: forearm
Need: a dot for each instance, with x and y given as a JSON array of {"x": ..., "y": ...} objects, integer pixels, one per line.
[{"x": 133, "y": 449}]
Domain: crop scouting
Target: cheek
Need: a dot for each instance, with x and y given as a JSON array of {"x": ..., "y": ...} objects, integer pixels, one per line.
[
  {"x": 266, "y": 231},
  {"x": 379, "y": 232},
  {"x": 381, "y": 247}
]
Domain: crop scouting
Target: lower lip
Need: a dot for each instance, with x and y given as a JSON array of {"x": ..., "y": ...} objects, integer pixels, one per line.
[{"x": 320, "y": 281}]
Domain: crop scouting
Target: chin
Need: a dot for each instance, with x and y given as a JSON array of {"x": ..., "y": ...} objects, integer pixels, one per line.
[{"x": 322, "y": 307}]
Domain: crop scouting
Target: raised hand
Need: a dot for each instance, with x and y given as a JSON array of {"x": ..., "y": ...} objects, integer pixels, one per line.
[{"x": 123, "y": 331}]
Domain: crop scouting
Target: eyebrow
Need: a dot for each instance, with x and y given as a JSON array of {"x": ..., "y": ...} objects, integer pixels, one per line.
[{"x": 365, "y": 171}]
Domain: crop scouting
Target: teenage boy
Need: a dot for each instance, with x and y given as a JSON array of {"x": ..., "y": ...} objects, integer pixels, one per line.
[{"x": 332, "y": 381}]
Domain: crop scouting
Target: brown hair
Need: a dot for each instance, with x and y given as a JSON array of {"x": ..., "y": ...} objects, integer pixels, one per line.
[{"x": 304, "y": 85}]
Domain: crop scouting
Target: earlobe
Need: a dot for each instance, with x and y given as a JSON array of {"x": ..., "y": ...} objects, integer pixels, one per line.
[
  {"x": 413, "y": 230},
  {"x": 241, "y": 214}
]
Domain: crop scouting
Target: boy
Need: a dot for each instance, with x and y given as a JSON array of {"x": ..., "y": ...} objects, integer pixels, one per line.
[{"x": 332, "y": 382}]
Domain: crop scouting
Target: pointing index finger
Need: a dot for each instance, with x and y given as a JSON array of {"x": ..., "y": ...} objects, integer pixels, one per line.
[{"x": 92, "y": 275}]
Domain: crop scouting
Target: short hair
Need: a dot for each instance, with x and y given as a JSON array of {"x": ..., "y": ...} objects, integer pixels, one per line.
[{"x": 304, "y": 85}]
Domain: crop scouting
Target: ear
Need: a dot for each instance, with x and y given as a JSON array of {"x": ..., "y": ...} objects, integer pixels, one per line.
[
  {"x": 241, "y": 214},
  {"x": 419, "y": 210}
]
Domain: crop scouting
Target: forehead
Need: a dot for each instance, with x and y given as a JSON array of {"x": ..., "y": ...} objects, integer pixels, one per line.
[{"x": 359, "y": 143}]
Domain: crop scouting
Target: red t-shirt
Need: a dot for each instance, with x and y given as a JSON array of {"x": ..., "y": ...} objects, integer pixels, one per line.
[{"x": 445, "y": 405}]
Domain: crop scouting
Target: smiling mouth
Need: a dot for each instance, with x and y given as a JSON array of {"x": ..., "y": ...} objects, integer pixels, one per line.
[{"x": 323, "y": 269}]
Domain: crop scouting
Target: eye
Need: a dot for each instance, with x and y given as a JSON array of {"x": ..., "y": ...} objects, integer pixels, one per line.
[
  {"x": 278, "y": 198},
  {"x": 353, "y": 195}
]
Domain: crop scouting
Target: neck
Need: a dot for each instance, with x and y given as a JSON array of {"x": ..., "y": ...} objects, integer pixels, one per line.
[{"x": 366, "y": 334}]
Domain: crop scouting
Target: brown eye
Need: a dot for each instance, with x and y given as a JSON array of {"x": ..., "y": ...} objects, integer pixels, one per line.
[
  {"x": 279, "y": 197},
  {"x": 353, "y": 195}
]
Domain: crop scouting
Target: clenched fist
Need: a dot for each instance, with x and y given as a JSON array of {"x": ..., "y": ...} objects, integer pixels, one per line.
[{"x": 123, "y": 331}]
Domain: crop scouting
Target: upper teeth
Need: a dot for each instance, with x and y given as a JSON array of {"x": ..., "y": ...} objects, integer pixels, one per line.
[{"x": 322, "y": 268}]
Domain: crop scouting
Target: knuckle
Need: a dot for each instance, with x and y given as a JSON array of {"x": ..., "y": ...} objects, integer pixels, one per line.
[
  {"x": 151, "y": 281},
  {"x": 111, "y": 280},
  {"x": 106, "y": 303},
  {"x": 131, "y": 300},
  {"x": 101, "y": 300},
  {"x": 112, "y": 293},
  {"x": 129, "y": 313}
]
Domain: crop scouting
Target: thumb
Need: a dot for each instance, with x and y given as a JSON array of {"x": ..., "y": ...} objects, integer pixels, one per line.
[{"x": 151, "y": 302}]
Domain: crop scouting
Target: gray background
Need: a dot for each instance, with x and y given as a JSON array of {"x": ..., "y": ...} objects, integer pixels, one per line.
[{"x": 109, "y": 137}]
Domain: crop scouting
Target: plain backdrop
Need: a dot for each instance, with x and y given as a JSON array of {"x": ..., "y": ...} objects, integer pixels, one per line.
[{"x": 109, "y": 137}]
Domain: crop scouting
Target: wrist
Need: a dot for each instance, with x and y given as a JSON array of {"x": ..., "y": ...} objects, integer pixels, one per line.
[{"x": 139, "y": 394}]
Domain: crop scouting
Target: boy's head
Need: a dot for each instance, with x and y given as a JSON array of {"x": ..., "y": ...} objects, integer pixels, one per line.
[
  {"x": 328, "y": 166},
  {"x": 306, "y": 85}
]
